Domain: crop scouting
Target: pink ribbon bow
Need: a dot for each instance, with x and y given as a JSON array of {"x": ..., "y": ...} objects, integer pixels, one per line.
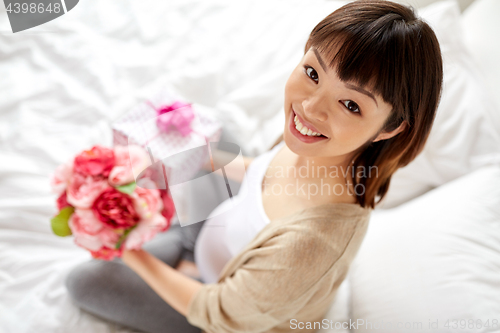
[{"x": 180, "y": 119}]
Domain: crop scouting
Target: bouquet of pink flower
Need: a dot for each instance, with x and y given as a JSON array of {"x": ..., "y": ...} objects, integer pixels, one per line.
[{"x": 101, "y": 205}]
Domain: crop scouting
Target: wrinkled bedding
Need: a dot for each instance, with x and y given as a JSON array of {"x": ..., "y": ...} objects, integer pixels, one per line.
[{"x": 64, "y": 82}]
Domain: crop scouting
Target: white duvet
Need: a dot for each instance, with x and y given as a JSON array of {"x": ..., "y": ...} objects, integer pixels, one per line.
[{"x": 64, "y": 82}]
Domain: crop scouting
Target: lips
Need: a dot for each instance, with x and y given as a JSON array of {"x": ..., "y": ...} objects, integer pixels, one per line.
[
  {"x": 306, "y": 124},
  {"x": 299, "y": 136}
]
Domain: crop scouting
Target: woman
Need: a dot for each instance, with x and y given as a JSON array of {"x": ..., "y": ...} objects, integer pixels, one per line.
[{"x": 359, "y": 105}]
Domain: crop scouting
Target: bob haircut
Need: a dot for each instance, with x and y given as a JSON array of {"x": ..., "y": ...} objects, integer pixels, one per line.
[{"x": 383, "y": 46}]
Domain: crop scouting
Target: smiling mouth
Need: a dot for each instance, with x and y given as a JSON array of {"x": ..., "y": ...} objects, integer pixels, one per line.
[{"x": 304, "y": 130}]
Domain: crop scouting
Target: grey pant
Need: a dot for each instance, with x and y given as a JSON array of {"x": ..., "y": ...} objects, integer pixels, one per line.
[{"x": 111, "y": 290}]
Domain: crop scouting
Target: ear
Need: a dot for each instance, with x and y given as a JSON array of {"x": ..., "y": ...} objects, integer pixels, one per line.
[{"x": 387, "y": 135}]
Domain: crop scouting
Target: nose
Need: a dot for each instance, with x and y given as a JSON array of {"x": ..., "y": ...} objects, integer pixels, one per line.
[{"x": 314, "y": 108}]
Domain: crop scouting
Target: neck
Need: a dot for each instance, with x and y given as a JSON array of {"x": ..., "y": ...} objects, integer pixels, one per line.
[
  {"x": 336, "y": 171},
  {"x": 326, "y": 167}
]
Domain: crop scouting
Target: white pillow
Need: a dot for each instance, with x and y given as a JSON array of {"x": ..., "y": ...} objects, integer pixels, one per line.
[
  {"x": 466, "y": 131},
  {"x": 434, "y": 258},
  {"x": 481, "y": 30}
]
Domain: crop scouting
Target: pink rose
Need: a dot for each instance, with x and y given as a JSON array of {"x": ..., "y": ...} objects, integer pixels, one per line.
[
  {"x": 60, "y": 179},
  {"x": 62, "y": 201},
  {"x": 145, "y": 231},
  {"x": 106, "y": 253},
  {"x": 109, "y": 237},
  {"x": 88, "y": 242},
  {"x": 148, "y": 202},
  {"x": 115, "y": 209},
  {"x": 120, "y": 175},
  {"x": 168, "y": 210},
  {"x": 83, "y": 190},
  {"x": 180, "y": 118},
  {"x": 90, "y": 233},
  {"x": 97, "y": 161},
  {"x": 128, "y": 161},
  {"x": 85, "y": 228},
  {"x": 83, "y": 221}
]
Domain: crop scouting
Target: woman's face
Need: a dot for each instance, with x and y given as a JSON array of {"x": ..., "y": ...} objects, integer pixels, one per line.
[{"x": 345, "y": 114}]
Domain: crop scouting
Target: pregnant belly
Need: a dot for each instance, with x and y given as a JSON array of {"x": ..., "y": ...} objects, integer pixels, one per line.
[{"x": 211, "y": 253}]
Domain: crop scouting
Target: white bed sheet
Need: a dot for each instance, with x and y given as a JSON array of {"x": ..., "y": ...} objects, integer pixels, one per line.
[{"x": 65, "y": 81}]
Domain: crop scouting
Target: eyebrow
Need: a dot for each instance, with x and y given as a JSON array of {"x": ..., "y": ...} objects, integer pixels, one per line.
[
  {"x": 361, "y": 90},
  {"x": 320, "y": 60}
]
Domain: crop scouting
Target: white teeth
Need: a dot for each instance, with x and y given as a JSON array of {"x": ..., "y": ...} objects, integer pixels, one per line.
[{"x": 304, "y": 130}]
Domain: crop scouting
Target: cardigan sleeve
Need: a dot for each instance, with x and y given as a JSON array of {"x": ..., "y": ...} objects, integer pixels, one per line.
[{"x": 274, "y": 282}]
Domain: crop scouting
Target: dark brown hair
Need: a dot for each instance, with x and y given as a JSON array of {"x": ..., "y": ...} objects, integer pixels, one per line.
[{"x": 383, "y": 46}]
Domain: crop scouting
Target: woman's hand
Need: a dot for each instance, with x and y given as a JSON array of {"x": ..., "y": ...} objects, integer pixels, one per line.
[
  {"x": 172, "y": 286},
  {"x": 188, "y": 268}
]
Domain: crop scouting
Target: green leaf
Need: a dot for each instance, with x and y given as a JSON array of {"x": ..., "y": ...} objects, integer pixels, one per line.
[
  {"x": 123, "y": 237},
  {"x": 127, "y": 188},
  {"x": 59, "y": 222}
]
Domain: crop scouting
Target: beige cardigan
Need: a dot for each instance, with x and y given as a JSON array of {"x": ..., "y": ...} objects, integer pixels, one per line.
[{"x": 290, "y": 270}]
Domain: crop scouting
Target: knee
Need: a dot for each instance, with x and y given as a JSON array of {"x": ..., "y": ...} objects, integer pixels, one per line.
[
  {"x": 84, "y": 280},
  {"x": 76, "y": 282}
]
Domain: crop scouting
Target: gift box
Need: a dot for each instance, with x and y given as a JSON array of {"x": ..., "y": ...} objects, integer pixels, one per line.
[{"x": 170, "y": 137}]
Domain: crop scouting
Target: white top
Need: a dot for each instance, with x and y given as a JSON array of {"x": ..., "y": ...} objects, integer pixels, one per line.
[{"x": 224, "y": 234}]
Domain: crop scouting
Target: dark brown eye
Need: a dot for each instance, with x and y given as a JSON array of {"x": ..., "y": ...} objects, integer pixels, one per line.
[
  {"x": 311, "y": 72},
  {"x": 351, "y": 106}
]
